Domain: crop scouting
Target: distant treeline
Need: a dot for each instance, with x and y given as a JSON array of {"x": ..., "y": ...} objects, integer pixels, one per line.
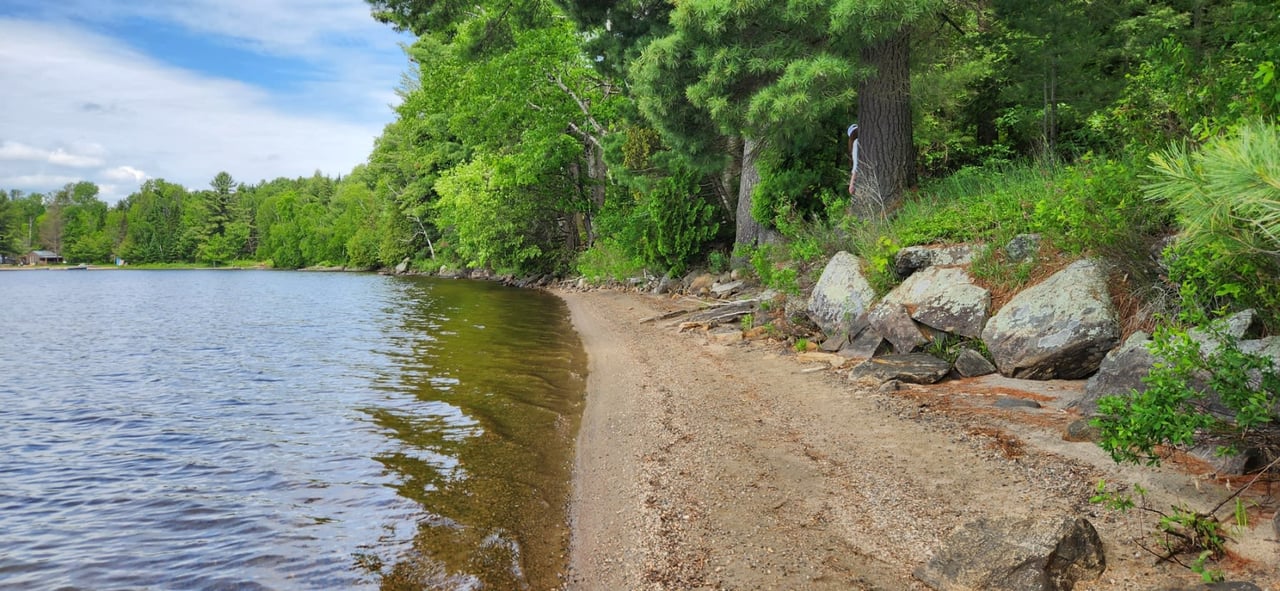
[{"x": 290, "y": 222}]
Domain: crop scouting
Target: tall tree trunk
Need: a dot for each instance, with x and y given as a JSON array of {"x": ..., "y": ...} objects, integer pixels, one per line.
[
  {"x": 886, "y": 155},
  {"x": 749, "y": 231},
  {"x": 597, "y": 173}
]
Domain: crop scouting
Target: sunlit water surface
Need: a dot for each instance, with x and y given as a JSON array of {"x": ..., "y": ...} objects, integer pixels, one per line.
[{"x": 277, "y": 430}]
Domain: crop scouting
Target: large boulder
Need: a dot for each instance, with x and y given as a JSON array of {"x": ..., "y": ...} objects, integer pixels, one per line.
[
  {"x": 1011, "y": 554},
  {"x": 1121, "y": 371},
  {"x": 944, "y": 298},
  {"x": 841, "y": 297},
  {"x": 1125, "y": 367},
  {"x": 1060, "y": 328}
]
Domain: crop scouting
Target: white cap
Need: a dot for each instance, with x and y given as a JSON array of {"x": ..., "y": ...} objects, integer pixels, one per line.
[{"x": 852, "y": 128}]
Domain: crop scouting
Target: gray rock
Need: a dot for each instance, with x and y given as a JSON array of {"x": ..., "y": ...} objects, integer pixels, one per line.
[
  {"x": 1268, "y": 347},
  {"x": 665, "y": 285},
  {"x": 913, "y": 368},
  {"x": 863, "y": 346},
  {"x": 1011, "y": 402},
  {"x": 1232, "y": 465},
  {"x": 1236, "y": 326},
  {"x": 1022, "y": 248},
  {"x": 1121, "y": 371},
  {"x": 1011, "y": 554},
  {"x": 1220, "y": 586},
  {"x": 972, "y": 364},
  {"x": 1060, "y": 328},
  {"x": 1082, "y": 430},
  {"x": 834, "y": 343},
  {"x": 889, "y": 386},
  {"x": 721, "y": 290},
  {"x": 914, "y": 258},
  {"x": 892, "y": 320},
  {"x": 944, "y": 298},
  {"x": 841, "y": 296},
  {"x": 1275, "y": 524}
]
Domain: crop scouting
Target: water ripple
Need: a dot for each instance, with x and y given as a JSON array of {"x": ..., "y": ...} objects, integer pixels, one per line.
[{"x": 256, "y": 430}]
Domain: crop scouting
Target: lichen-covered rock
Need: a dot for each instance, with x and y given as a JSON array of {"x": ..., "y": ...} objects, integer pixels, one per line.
[
  {"x": 1022, "y": 247},
  {"x": 1060, "y": 328},
  {"x": 1121, "y": 371},
  {"x": 1011, "y": 554},
  {"x": 944, "y": 298},
  {"x": 841, "y": 297},
  {"x": 914, "y": 368},
  {"x": 914, "y": 258}
]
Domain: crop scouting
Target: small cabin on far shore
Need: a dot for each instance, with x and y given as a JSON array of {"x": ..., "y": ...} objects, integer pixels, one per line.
[{"x": 43, "y": 257}]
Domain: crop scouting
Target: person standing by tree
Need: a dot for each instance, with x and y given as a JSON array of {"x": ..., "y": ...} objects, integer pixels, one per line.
[{"x": 853, "y": 153}]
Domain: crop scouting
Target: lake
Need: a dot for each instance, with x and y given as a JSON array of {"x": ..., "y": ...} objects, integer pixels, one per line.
[{"x": 283, "y": 430}]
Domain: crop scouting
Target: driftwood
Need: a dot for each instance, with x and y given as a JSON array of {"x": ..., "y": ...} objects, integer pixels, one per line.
[
  {"x": 710, "y": 316},
  {"x": 724, "y": 313}
]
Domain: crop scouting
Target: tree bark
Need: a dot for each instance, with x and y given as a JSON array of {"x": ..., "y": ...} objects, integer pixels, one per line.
[
  {"x": 887, "y": 158},
  {"x": 748, "y": 230}
]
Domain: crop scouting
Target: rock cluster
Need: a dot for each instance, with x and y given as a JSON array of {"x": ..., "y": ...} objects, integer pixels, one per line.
[{"x": 1061, "y": 328}]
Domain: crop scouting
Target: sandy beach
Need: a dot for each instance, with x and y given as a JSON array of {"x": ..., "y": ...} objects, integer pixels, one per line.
[{"x": 703, "y": 465}]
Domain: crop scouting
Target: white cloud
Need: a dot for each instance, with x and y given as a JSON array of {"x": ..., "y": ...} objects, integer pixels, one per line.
[
  {"x": 38, "y": 180},
  {"x": 77, "y": 99},
  {"x": 124, "y": 174},
  {"x": 11, "y": 150}
]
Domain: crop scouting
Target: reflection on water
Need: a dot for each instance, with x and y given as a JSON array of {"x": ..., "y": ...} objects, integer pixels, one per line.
[
  {"x": 269, "y": 430},
  {"x": 497, "y": 379}
]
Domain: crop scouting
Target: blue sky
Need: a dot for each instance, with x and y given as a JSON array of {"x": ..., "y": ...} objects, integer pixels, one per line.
[{"x": 119, "y": 91}]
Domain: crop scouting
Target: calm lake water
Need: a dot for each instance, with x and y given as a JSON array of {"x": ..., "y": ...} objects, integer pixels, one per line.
[{"x": 278, "y": 430}]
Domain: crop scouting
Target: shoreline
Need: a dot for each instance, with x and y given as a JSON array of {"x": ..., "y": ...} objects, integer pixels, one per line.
[{"x": 702, "y": 464}]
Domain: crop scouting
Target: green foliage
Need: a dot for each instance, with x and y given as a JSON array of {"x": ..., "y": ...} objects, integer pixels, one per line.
[
  {"x": 1201, "y": 71},
  {"x": 1179, "y": 531},
  {"x": 675, "y": 223},
  {"x": 1227, "y": 200},
  {"x": 949, "y": 346},
  {"x": 717, "y": 262},
  {"x": 1174, "y": 410},
  {"x": 1092, "y": 207},
  {"x": 608, "y": 260},
  {"x": 747, "y": 322},
  {"x": 773, "y": 269},
  {"x": 801, "y": 345}
]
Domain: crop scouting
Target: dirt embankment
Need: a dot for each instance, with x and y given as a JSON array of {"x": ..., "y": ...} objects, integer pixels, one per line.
[{"x": 708, "y": 466}]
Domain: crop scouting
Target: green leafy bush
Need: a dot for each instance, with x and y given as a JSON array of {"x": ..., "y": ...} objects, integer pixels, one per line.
[
  {"x": 1172, "y": 411},
  {"x": 676, "y": 223}
]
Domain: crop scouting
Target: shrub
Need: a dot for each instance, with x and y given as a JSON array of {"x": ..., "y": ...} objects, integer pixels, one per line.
[
  {"x": 1227, "y": 200},
  {"x": 1173, "y": 412}
]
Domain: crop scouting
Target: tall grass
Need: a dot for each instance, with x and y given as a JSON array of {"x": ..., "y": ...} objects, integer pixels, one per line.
[{"x": 1091, "y": 207}]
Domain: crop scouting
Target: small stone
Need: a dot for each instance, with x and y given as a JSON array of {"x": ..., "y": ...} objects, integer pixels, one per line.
[
  {"x": 971, "y": 364},
  {"x": 1011, "y": 402},
  {"x": 1082, "y": 431},
  {"x": 724, "y": 337}
]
